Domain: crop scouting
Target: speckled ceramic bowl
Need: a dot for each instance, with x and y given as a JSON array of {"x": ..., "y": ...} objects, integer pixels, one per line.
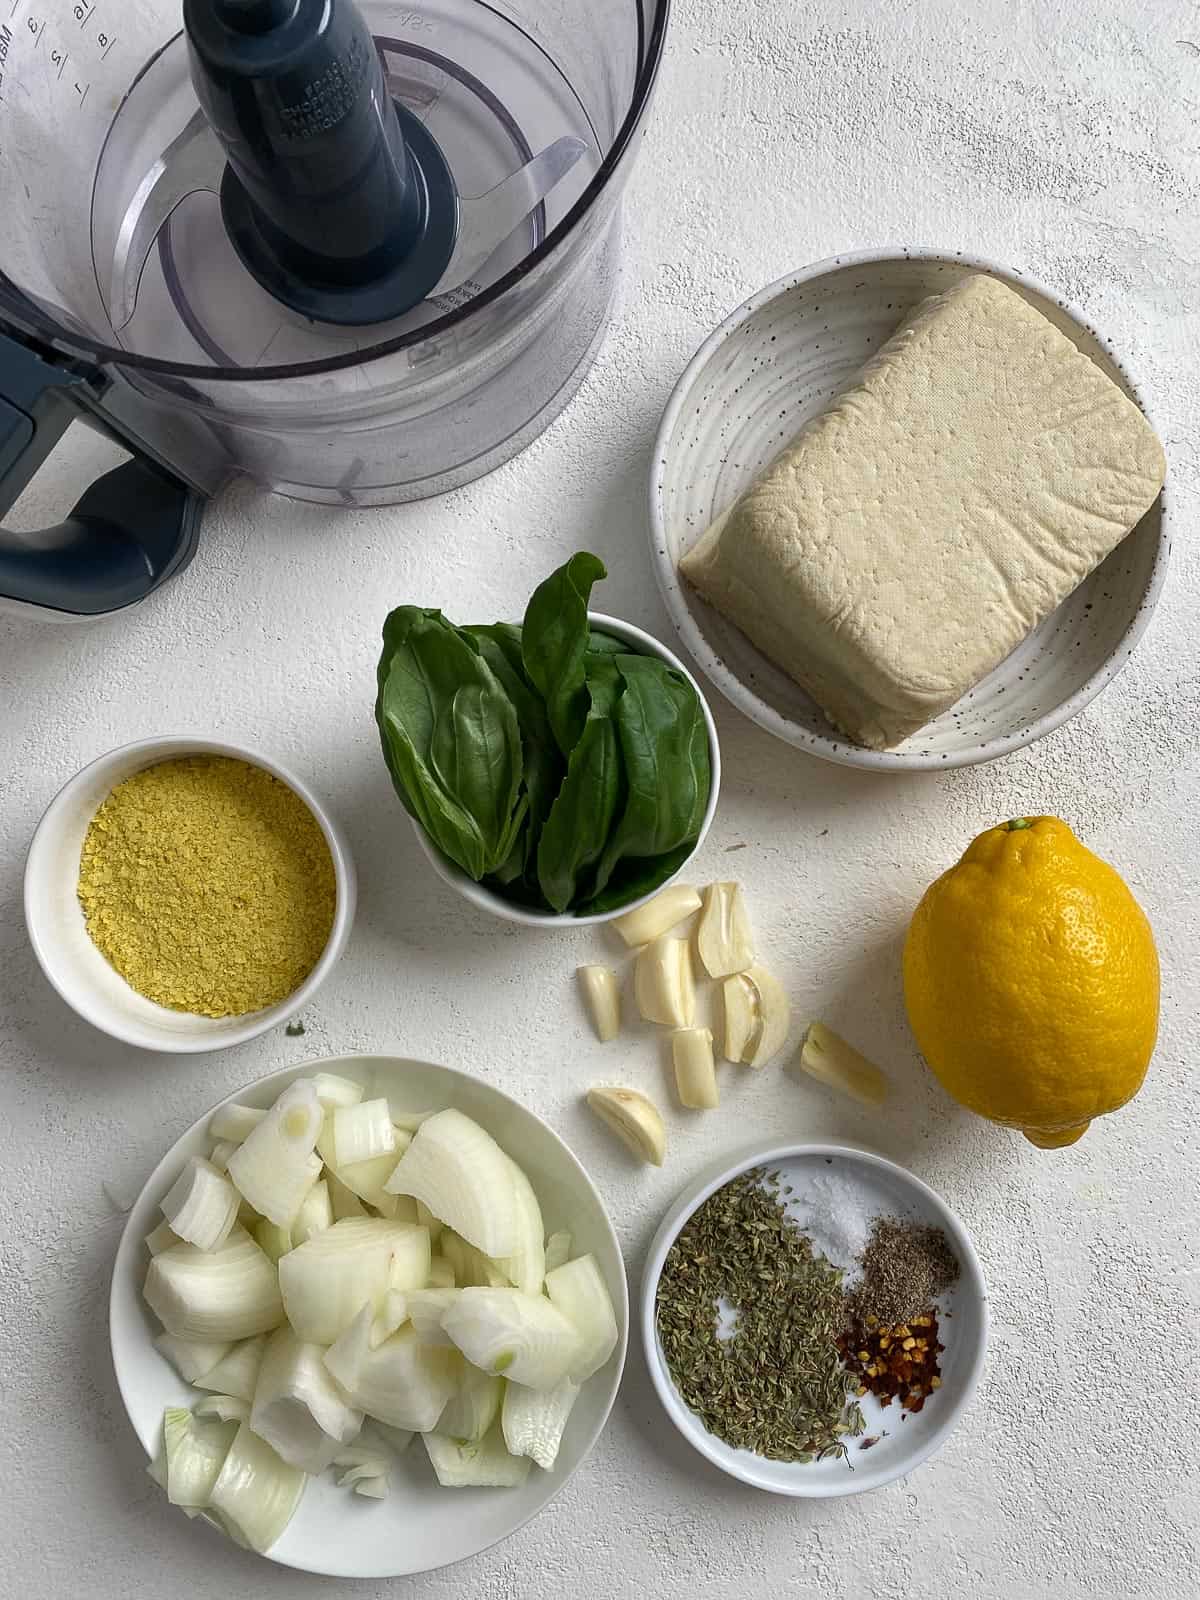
[{"x": 779, "y": 360}]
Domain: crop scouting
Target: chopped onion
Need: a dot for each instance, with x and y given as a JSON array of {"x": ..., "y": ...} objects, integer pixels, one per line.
[
  {"x": 226, "y": 1408},
  {"x": 315, "y": 1213},
  {"x": 398, "y": 1438},
  {"x": 485, "y": 1465},
  {"x": 237, "y": 1373},
  {"x": 471, "y": 1267},
  {"x": 517, "y": 1336},
  {"x": 441, "y": 1274},
  {"x": 201, "y": 1205},
  {"x": 220, "y": 1153},
  {"x": 473, "y": 1407},
  {"x": 228, "y": 1293},
  {"x": 402, "y": 1382},
  {"x": 362, "y": 1132},
  {"x": 333, "y": 1090},
  {"x": 298, "y": 1408},
  {"x": 234, "y": 1122},
  {"x": 393, "y": 1315},
  {"x": 162, "y": 1238},
  {"x": 426, "y": 1308},
  {"x": 462, "y": 1175},
  {"x": 533, "y": 1422},
  {"x": 196, "y": 1453},
  {"x": 369, "y": 1456},
  {"x": 366, "y": 1179},
  {"x": 558, "y": 1250},
  {"x": 271, "y": 1239},
  {"x": 256, "y": 1494},
  {"x": 192, "y": 1358},
  {"x": 343, "y": 1202},
  {"x": 579, "y": 1291},
  {"x": 325, "y": 1281},
  {"x": 526, "y": 1265},
  {"x": 426, "y": 1217},
  {"x": 275, "y": 1167}
]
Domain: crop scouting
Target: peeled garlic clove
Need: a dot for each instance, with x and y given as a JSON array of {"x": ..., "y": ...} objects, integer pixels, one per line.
[
  {"x": 658, "y": 916},
  {"x": 724, "y": 942},
  {"x": 742, "y": 1021},
  {"x": 634, "y": 1119},
  {"x": 775, "y": 1009},
  {"x": 695, "y": 1070},
  {"x": 828, "y": 1058},
  {"x": 603, "y": 1000},
  {"x": 663, "y": 983}
]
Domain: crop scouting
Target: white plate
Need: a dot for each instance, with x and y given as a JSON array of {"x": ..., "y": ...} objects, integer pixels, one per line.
[
  {"x": 776, "y": 362},
  {"x": 886, "y": 1189},
  {"x": 420, "y": 1526}
]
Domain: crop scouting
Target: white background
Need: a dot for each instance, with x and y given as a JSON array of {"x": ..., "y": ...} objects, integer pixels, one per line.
[{"x": 1064, "y": 139}]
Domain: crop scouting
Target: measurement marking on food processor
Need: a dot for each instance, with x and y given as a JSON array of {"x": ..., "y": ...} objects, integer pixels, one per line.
[{"x": 61, "y": 57}]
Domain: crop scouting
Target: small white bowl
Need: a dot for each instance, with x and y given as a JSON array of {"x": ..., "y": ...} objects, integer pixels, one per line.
[
  {"x": 887, "y": 1189},
  {"x": 420, "y": 1526},
  {"x": 642, "y": 644},
  {"x": 776, "y": 362},
  {"x": 74, "y": 965}
]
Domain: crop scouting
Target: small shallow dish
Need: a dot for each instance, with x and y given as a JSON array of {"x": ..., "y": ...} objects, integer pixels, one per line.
[
  {"x": 886, "y": 1189},
  {"x": 420, "y": 1526},
  {"x": 778, "y": 361},
  {"x": 478, "y": 894},
  {"x": 72, "y": 962}
]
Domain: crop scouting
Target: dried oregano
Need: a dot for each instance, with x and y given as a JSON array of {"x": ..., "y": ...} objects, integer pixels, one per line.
[{"x": 776, "y": 1386}]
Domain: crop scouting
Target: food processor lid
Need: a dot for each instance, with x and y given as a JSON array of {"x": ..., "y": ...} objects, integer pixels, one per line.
[{"x": 317, "y": 189}]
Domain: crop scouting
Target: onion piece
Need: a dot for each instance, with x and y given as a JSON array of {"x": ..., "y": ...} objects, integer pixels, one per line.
[
  {"x": 225, "y": 1407},
  {"x": 362, "y": 1133},
  {"x": 558, "y": 1250},
  {"x": 343, "y": 1202},
  {"x": 333, "y": 1090},
  {"x": 485, "y": 1465},
  {"x": 195, "y": 1454},
  {"x": 234, "y": 1122},
  {"x": 426, "y": 1308},
  {"x": 402, "y": 1382},
  {"x": 220, "y": 1153},
  {"x": 441, "y": 1274},
  {"x": 426, "y": 1217},
  {"x": 392, "y": 1315},
  {"x": 298, "y": 1408},
  {"x": 579, "y": 1291},
  {"x": 533, "y": 1422},
  {"x": 256, "y": 1494},
  {"x": 513, "y": 1335},
  {"x": 471, "y": 1267},
  {"x": 462, "y": 1175},
  {"x": 275, "y": 1167},
  {"x": 201, "y": 1205},
  {"x": 325, "y": 1281},
  {"x": 366, "y": 1179},
  {"x": 192, "y": 1358},
  {"x": 525, "y": 1267},
  {"x": 237, "y": 1373},
  {"x": 228, "y": 1293},
  {"x": 315, "y": 1213},
  {"x": 161, "y": 1238},
  {"x": 272, "y": 1240},
  {"x": 473, "y": 1407}
]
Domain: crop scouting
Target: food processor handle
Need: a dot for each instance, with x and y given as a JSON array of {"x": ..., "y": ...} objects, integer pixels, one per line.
[{"x": 134, "y": 528}]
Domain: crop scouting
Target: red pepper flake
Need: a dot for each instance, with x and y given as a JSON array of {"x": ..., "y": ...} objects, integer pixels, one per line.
[{"x": 899, "y": 1363}]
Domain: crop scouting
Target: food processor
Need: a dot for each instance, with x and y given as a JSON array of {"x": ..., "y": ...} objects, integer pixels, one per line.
[{"x": 358, "y": 252}]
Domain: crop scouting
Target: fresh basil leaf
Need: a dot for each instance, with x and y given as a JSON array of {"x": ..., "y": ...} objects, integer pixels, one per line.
[
  {"x": 451, "y": 740},
  {"x": 604, "y": 644},
  {"x": 589, "y": 801},
  {"x": 500, "y": 647},
  {"x": 635, "y": 877},
  {"x": 554, "y": 643},
  {"x": 664, "y": 749}
]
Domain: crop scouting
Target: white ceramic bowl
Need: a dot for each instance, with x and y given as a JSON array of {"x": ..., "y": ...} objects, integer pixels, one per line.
[
  {"x": 886, "y": 1189},
  {"x": 779, "y": 360},
  {"x": 479, "y": 895},
  {"x": 419, "y": 1526},
  {"x": 72, "y": 962}
]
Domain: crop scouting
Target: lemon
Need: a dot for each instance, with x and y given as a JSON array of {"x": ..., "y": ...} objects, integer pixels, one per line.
[{"x": 1031, "y": 981}]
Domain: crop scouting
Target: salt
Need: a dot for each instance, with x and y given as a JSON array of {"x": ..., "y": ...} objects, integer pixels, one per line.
[{"x": 828, "y": 1207}]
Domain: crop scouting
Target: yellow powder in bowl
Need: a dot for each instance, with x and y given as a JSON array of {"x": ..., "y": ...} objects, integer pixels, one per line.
[{"x": 207, "y": 883}]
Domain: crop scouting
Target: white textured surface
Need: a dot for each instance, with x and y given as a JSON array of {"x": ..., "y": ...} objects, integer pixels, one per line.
[{"x": 1059, "y": 138}]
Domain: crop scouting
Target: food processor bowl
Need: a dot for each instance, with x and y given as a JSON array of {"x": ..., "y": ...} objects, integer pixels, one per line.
[{"x": 522, "y": 118}]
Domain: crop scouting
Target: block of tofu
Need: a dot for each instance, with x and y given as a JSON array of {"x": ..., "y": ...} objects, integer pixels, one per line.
[{"x": 910, "y": 537}]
